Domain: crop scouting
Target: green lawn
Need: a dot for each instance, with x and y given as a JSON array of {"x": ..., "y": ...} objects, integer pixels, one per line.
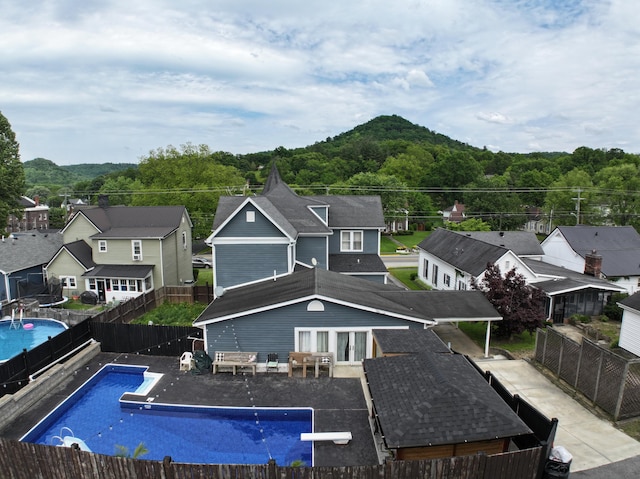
[
  {"x": 168, "y": 314},
  {"x": 521, "y": 343},
  {"x": 204, "y": 276},
  {"x": 405, "y": 276}
]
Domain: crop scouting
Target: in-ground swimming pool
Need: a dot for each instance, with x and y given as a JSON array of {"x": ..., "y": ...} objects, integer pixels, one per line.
[
  {"x": 14, "y": 336},
  {"x": 194, "y": 434}
]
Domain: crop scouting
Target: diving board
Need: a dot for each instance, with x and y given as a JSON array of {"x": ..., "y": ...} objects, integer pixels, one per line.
[{"x": 336, "y": 437}]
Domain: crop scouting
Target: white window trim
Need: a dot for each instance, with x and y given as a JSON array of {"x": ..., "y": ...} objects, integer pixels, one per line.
[
  {"x": 351, "y": 234},
  {"x": 66, "y": 281},
  {"x": 136, "y": 256},
  {"x": 251, "y": 216},
  {"x": 102, "y": 246}
]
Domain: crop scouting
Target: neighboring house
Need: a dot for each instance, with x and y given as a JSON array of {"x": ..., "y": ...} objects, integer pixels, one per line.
[
  {"x": 630, "y": 329},
  {"x": 34, "y": 216},
  {"x": 568, "y": 293},
  {"x": 120, "y": 252},
  {"x": 537, "y": 221},
  {"x": 22, "y": 260},
  {"x": 612, "y": 252},
  {"x": 315, "y": 310},
  {"x": 272, "y": 234},
  {"x": 454, "y": 213},
  {"x": 428, "y": 403},
  {"x": 448, "y": 260}
]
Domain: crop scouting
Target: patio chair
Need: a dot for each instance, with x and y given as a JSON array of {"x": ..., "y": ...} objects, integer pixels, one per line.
[
  {"x": 272, "y": 361},
  {"x": 186, "y": 361}
]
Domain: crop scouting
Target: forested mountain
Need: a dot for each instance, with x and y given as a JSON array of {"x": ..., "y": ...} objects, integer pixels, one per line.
[
  {"x": 417, "y": 173},
  {"x": 41, "y": 171}
]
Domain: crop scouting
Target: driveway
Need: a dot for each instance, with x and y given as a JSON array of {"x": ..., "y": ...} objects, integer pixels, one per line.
[{"x": 592, "y": 441}]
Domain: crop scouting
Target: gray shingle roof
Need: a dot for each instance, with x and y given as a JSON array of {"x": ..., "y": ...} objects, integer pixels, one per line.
[
  {"x": 356, "y": 263},
  {"x": 292, "y": 213},
  {"x": 522, "y": 243},
  {"x": 619, "y": 246},
  {"x": 26, "y": 250},
  {"x": 462, "y": 252},
  {"x": 81, "y": 251},
  {"x": 436, "y": 399},
  {"x": 134, "y": 221},
  {"x": 402, "y": 341},
  {"x": 302, "y": 284},
  {"x": 139, "y": 271},
  {"x": 632, "y": 301}
]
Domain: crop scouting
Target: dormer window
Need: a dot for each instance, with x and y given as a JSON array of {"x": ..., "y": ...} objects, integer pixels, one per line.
[{"x": 251, "y": 216}]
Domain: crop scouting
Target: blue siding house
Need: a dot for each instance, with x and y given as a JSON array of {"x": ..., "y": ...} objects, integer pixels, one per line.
[
  {"x": 272, "y": 234},
  {"x": 316, "y": 310}
]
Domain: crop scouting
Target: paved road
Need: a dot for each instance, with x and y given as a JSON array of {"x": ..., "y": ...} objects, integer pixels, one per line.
[{"x": 400, "y": 260}]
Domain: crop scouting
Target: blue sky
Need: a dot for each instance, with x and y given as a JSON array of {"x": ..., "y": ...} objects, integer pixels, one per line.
[{"x": 100, "y": 81}]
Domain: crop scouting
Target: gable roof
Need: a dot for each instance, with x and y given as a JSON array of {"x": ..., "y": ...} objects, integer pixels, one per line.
[
  {"x": 82, "y": 252},
  {"x": 562, "y": 280},
  {"x": 134, "y": 221},
  {"x": 20, "y": 251},
  {"x": 522, "y": 243},
  {"x": 430, "y": 399},
  {"x": 619, "y": 246},
  {"x": 293, "y": 212},
  {"x": 462, "y": 252},
  {"x": 304, "y": 284}
]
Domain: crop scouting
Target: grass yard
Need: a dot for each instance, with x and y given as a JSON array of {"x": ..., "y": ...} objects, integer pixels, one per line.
[
  {"x": 521, "y": 345},
  {"x": 405, "y": 275},
  {"x": 412, "y": 240},
  {"x": 205, "y": 276},
  {"x": 168, "y": 314}
]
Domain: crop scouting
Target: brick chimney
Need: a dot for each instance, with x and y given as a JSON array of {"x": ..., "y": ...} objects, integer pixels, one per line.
[{"x": 593, "y": 264}]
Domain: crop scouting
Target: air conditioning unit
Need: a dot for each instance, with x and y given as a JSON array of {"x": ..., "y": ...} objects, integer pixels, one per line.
[{"x": 137, "y": 257}]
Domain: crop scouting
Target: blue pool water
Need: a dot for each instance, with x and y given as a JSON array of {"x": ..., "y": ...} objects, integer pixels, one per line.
[
  {"x": 186, "y": 433},
  {"x": 14, "y": 340}
]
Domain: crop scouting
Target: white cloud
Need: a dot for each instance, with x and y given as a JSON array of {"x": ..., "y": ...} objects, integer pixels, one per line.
[{"x": 110, "y": 81}]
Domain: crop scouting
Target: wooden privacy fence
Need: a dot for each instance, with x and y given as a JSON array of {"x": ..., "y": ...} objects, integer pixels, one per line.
[
  {"x": 33, "y": 461},
  {"x": 143, "y": 339},
  {"x": 609, "y": 380}
]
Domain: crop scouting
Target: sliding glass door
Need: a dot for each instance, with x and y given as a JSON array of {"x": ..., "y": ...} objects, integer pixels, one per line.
[{"x": 351, "y": 346}]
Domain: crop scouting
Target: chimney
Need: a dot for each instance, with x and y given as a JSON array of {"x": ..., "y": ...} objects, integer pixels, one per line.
[
  {"x": 103, "y": 201},
  {"x": 593, "y": 264},
  {"x": 36, "y": 199}
]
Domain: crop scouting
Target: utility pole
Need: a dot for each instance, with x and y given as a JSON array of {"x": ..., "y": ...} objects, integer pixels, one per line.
[{"x": 578, "y": 200}]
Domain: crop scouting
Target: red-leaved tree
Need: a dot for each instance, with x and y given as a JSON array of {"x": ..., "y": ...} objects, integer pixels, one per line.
[{"x": 520, "y": 305}]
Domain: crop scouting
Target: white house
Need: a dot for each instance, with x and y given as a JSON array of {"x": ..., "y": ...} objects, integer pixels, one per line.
[
  {"x": 630, "y": 330},
  {"x": 609, "y": 252}
]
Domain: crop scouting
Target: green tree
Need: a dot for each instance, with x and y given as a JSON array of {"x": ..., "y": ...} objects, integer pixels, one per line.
[
  {"x": 452, "y": 171},
  {"x": 12, "y": 182},
  {"x": 619, "y": 186},
  {"x": 472, "y": 224},
  {"x": 491, "y": 200},
  {"x": 561, "y": 201},
  {"x": 521, "y": 306},
  {"x": 121, "y": 189}
]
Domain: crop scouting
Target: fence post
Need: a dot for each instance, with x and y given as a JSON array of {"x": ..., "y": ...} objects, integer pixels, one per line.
[
  {"x": 544, "y": 348},
  {"x": 166, "y": 467},
  {"x": 595, "y": 393},
  {"x": 623, "y": 385},
  {"x": 25, "y": 358},
  {"x": 271, "y": 469}
]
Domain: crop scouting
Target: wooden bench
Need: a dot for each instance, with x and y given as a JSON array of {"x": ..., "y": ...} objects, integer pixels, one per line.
[
  {"x": 234, "y": 360},
  {"x": 296, "y": 360},
  {"x": 318, "y": 360},
  {"x": 336, "y": 437}
]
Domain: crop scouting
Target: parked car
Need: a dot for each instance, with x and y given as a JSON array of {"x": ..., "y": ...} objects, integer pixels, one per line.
[{"x": 198, "y": 262}]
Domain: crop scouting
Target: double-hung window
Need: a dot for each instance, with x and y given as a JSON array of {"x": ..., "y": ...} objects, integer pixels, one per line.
[
  {"x": 351, "y": 240},
  {"x": 136, "y": 250}
]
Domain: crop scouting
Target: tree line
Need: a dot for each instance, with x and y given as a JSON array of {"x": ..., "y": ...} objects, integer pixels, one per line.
[{"x": 416, "y": 172}]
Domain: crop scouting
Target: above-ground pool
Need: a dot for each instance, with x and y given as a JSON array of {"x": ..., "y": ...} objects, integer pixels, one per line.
[
  {"x": 192, "y": 434},
  {"x": 26, "y": 334}
]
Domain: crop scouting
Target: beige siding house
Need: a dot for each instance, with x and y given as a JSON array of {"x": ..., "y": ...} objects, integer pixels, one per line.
[{"x": 120, "y": 252}]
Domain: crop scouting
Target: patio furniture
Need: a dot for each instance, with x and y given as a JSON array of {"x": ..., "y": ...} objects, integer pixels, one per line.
[
  {"x": 296, "y": 360},
  {"x": 324, "y": 360},
  {"x": 186, "y": 361},
  {"x": 272, "y": 361},
  {"x": 234, "y": 360}
]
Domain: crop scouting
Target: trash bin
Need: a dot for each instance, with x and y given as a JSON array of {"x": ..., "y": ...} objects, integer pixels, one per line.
[{"x": 559, "y": 463}]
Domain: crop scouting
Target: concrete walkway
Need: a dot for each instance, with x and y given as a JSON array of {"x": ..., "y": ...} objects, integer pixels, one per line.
[{"x": 592, "y": 441}]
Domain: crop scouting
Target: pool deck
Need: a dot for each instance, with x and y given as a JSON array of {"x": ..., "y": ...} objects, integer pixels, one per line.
[{"x": 338, "y": 403}]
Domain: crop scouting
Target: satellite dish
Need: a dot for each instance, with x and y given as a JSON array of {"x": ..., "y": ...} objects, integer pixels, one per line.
[
  {"x": 219, "y": 291},
  {"x": 314, "y": 261}
]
